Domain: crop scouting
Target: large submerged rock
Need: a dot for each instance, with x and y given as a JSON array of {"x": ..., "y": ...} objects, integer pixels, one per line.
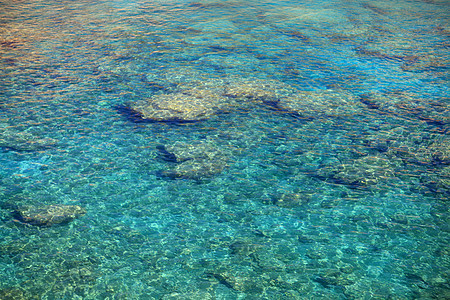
[
  {"x": 21, "y": 140},
  {"x": 12, "y": 293},
  {"x": 195, "y": 160},
  {"x": 441, "y": 151},
  {"x": 439, "y": 181},
  {"x": 196, "y": 169},
  {"x": 436, "y": 153},
  {"x": 49, "y": 215},
  {"x": 196, "y": 100},
  {"x": 362, "y": 172},
  {"x": 256, "y": 90},
  {"x": 312, "y": 104},
  {"x": 186, "y": 105},
  {"x": 407, "y": 105},
  {"x": 426, "y": 63},
  {"x": 418, "y": 147}
]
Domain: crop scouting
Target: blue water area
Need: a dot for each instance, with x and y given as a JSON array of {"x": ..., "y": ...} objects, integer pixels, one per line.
[{"x": 224, "y": 149}]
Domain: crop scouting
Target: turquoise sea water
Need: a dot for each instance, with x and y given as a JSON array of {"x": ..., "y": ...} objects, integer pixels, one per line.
[{"x": 296, "y": 195}]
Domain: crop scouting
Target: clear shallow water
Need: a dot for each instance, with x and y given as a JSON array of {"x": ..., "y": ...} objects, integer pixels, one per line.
[{"x": 313, "y": 200}]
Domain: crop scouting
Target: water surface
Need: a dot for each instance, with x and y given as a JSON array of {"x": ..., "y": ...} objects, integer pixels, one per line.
[{"x": 325, "y": 175}]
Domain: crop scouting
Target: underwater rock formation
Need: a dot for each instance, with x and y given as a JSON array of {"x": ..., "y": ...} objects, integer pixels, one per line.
[
  {"x": 186, "y": 105},
  {"x": 181, "y": 151},
  {"x": 21, "y": 140},
  {"x": 321, "y": 103},
  {"x": 335, "y": 278},
  {"x": 289, "y": 200},
  {"x": 438, "y": 182},
  {"x": 266, "y": 91},
  {"x": 239, "y": 282},
  {"x": 436, "y": 153},
  {"x": 48, "y": 215},
  {"x": 425, "y": 63},
  {"x": 396, "y": 43},
  {"x": 411, "y": 49},
  {"x": 411, "y": 146},
  {"x": 362, "y": 172},
  {"x": 406, "y": 104},
  {"x": 13, "y": 294},
  {"x": 196, "y": 295},
  {"x": 195, "y": 161},
  {"x": 200, "y": 99},
  {"x": 196, "y": 169},
  {"x": 440, "y": 151}
]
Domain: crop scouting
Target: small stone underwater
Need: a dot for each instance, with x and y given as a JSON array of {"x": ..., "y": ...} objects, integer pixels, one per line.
[{"x": 178, "y": 149}]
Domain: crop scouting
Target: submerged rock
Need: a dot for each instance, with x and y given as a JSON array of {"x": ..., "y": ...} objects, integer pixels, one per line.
[
  {"x": 21, "y": 140},
  {"x": 256, "y": 90},
  {"x": 395, "y": 43},
  {"x": 439, "y": 181},
  {"x": 362, "y": 172},
  {"x": 196, "y": 169},
  {"x": 291, "y": 200},
  {"x": 436, "y": 153},
  {"x": 418, "y": 147},
  {"x": 240, "y": 282},
  {"x": 197, "y": 295},
  {"x": 181, "y": 151},
  {"x": 13, "y": 294},
  {"x": 187, "y": 105},
  {"x": 406, "y": 104},
  {"x": 201, "y": 98},
  {"x": 440, "y": 151},
  {"x": 243, "y": 248},
  {"x": 196, "y": 160},
  {"x": 335, "y": 278},
  {"x": 321, "y": 103},
  {"x": 425, "y": 63},
  {"x": 49, "y": 215}
]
